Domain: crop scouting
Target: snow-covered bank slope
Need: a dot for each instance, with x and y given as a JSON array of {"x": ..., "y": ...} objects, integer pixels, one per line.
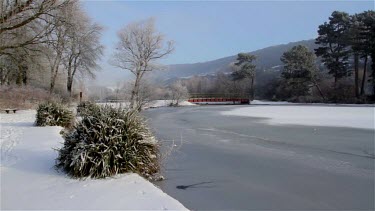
[
  {"x": 262, "y": 102},
  {"x": 164, "y": 103},
  {"x": 29, "y": 181},
  {"x": 151, "y": 104},
  {"x": 334, "y": 116}
]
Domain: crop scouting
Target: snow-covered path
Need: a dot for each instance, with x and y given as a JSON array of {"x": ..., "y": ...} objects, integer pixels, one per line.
[{"x": 29, "y": 180}]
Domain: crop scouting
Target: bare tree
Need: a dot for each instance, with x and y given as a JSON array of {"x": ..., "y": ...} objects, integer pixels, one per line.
[
  {"x": 35, "y": 28},
  {"x": 57, "y": 40},
  {"x": 18, "y": 16},
  {"x": 54, "y": 52},
  {"x": 83, "y": 47},
  {"x": 139, "y": 48},
  {"x": 178, "y": 93}
]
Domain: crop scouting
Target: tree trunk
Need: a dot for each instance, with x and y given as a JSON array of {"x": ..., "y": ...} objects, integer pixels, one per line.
[
  {"x": 320, "y": 91},
  {"x": 19, "y": 80},
  {"x": 54, "y": 72},
  {"x": 335, "y": 83},
  {"x": 135, "y": 92},
  {"x": 53, "y": 79},
  {"x": 356, "y": 85},
  {"x": 132, "y": 96},
  {"x": 336, "y": 76},
  {"x": 51, "y": 86},
  {"x": 364, "y": 77},
  {"x": 69, "y": 84},
  {"x": 2, "y": 76},
  {"x": 69, "y": 80},
  {"x": 252, "y": 88},
  {"x": 373, "y": 73},
  {"x": 24, "y": 75}
]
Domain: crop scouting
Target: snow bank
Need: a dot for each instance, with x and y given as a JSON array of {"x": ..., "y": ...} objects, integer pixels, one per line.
[
  {"x": 164, "y": 103},
  {"x": 116, "y": 105},
  {"x": 333, "y": 116},
  {"x": 151, "y": 104},
  {"x": 260, "y": 102},
  {"x": 218, "y": 103},
  {"x": 29, "y": 181}
]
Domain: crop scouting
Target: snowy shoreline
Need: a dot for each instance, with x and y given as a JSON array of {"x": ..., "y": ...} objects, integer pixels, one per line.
[
  {"x": 260, "y": 102},
  {"x": 29, "y": 180}
]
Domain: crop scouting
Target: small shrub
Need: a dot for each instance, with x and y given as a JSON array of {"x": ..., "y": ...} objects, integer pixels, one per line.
[
  {"x": 109, "y": 142},
  {"x": 54, "y": 114}
]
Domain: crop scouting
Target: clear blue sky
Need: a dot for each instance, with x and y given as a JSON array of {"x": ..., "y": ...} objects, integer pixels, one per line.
[{"x": 208, "y": 30}]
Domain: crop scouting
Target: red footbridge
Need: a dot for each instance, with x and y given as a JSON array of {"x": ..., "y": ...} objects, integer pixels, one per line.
[{"x": 219, "y": 99}]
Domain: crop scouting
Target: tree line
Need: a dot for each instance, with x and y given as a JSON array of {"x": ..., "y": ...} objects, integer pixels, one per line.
[
  {"x": 340, "y": 69},
  {"x": 346, "y": 37},
  {"x": 47, "y": 41},
  {"x": 50, "y": 42}
]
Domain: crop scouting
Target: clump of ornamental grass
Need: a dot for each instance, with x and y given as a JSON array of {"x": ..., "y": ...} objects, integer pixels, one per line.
[
  {"x": 54, "y": 114},
  {"x": 107, "y": 143}
]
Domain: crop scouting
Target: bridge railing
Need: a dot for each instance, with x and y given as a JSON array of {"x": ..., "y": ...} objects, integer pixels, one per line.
[{"x": 234, "y": 98}]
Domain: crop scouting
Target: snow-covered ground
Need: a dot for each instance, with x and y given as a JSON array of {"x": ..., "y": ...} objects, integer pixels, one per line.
[
  {"x": 116, "y": 105},
  {"x": 333, "y": 116},
  {"x": 261, "y": 102},
  {"x": 151, "y": 104},
  {"x": 29, "y": 180},
  {"x": 164, "y": 103}
]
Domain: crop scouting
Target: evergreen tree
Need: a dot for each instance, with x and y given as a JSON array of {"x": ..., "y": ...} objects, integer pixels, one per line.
[
  {"x": 246, "y": 69},
  {"x": 299, "y": 70},
  {"x": 354, "y": 41},
  {"x": 333, "y": 41},
  {"x": 367, "y": 43}
]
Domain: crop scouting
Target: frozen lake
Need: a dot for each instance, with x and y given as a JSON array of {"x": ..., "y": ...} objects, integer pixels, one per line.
[{"x": 226, "y": 158}]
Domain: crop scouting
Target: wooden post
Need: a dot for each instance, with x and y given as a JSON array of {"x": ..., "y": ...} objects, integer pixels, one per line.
[{"x": 80, "y": 97}]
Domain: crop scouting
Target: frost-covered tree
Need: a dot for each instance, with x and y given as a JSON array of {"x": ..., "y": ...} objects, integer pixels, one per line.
[
  {"x": 140, "y": 46},
  {"x": 17, "y": 16},
  {"x": 83, "y": 47},
  {"x": 178, "y": 92}
]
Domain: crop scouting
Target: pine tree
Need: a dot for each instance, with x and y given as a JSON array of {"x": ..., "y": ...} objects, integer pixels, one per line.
[
  {"x": 354, "y": 40},
  {"x": 299, "y": 70},
  {"x": 334, "y": 48},
  {"x": 246, "y": 70},
  {"x": 367, "y": 44}
]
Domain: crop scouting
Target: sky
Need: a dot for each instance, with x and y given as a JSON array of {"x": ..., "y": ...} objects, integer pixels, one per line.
[{"x": 209, "y": 30}]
